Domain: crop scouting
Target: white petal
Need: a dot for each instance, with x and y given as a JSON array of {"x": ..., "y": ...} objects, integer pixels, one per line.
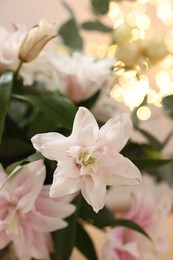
[
  {"x": 115, "y": 133},
  {"x": 51, "y": 145},
  {"x": 64, "y": 186},
  {"x": 94, "y": 192},
  {"x": 82, "y": 119},
  {"x": 124, "y": 172}
]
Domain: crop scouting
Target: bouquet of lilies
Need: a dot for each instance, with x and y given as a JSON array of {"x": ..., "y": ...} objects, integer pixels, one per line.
[{"x": 62, "y": 167}]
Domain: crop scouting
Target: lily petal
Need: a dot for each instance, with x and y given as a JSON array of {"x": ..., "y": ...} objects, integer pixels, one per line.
[
  {"x": 64, "y": 186},
  {"x": 82, "y": 119},
  {"x": 115, "y": 133},
  {"x": 42, "y": 223},
  {"x": 94, "y": 192},
  {"x": 33, "y": 179},
  {"x": 124, "y": 172},
  {"x": 51, "y": 145}
]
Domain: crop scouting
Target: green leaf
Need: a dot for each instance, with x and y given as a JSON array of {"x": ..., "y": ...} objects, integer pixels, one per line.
[
  {"x": 168, "y": 105},
  {"x": 6, "y": 82},
  {"x": 85, "y": 244},
  {"x": 54, "y": 105},
  {"x": 100, "y": 6},
  {"x": 101, "y": 219},
  {"x": 22, "y": 148},
  {"x": 70, "y": 33},
  {"x": 64, "y": 239},
  {"x": 96, "y": 26},
  {"x": 148, "y": 163},
  {"x": 130, "y": 224},
  {"x": 168, "y": 137},
  {"x": 14, "y": 168},
  {"x": 68, "y": 8},
  {"x": 154, "y": 143}
]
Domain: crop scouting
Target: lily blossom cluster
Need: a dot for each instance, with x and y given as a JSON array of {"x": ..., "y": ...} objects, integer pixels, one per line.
[
  {"x": 89, "y": 159},
  {"x": 150, "y": 205},
  {"x": 78, "y": 76},
  {"x": 28, "y": 214}
]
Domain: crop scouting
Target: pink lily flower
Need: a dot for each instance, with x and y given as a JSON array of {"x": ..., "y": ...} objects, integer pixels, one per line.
[
  {"x": 28, "y": 214},
  {"x": 89, "y": 159},
  {"x": 149, "y": 207}
]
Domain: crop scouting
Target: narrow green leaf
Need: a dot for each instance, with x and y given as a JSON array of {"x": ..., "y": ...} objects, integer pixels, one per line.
[
  {"x": 68, "y": 8},
  {"x": 54, "y": 105},
  {"x": 148, "y": 163},
  {"x": 64, "y": 239},
  {"x": 101, "y": 219},
  {"x": 154, "y": 143},
  {"x": 130, "y": 224},
  {"x": 14, "y": 168},
  {"x": 100, "y": 6},
  {"x": 96, "y": 26},
  {"x": 70, "y": 34},
  {"x": 168, "y": 137},
  {"x": 85, "y": 244},
  {"x": 168, "y": 105},
  {"x": 6, "y": 82}
]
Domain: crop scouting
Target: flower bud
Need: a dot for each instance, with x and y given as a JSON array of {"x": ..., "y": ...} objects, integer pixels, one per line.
[
  {"x": 129, "y": 54},
  {"x": 35, "y": 40},
  {"x": 155, "y": 49}
]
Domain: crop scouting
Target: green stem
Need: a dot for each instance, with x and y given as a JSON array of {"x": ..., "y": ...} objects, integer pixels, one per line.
[{"x": 18, "y": 69}]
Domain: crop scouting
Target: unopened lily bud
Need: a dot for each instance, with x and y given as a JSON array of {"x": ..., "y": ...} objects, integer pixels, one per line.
[
  {"x": 35, "y": 40},
  {"x": 155, "y": 49}
]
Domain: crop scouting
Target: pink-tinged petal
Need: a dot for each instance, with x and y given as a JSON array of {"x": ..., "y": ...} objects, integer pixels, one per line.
[
  {"x": 43, "y": 223},
  {"x": 132, "y": 249},
  {"x": 109, "y": 253},
  {"x": 124, "y": 172},
  {"x": 51, "y": 207},
  {"x": 51, "y": 145},
  {"x": 65, "y": 199},
  {"x": 94, "y": 192},
  {"x": 37, "y": 244},
  {"x": 64, "y": 186},
  {"x": 82, "y": 119},
  {"x": 33, "y": 176},
  {"x": 115, "y": 133},
  {"x": 20, "y": 244},
  {"x": 4, "y": 239}
]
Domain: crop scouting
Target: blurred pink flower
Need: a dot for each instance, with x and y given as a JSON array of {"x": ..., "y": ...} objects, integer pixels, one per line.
[
  {"x": 80, "y": 76},
  {"x": 89, "y": 159},
  {"x": 28, "y": 214},
  {"x": 10, "y": 42},
  {"x": 149, "y": 207}
]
